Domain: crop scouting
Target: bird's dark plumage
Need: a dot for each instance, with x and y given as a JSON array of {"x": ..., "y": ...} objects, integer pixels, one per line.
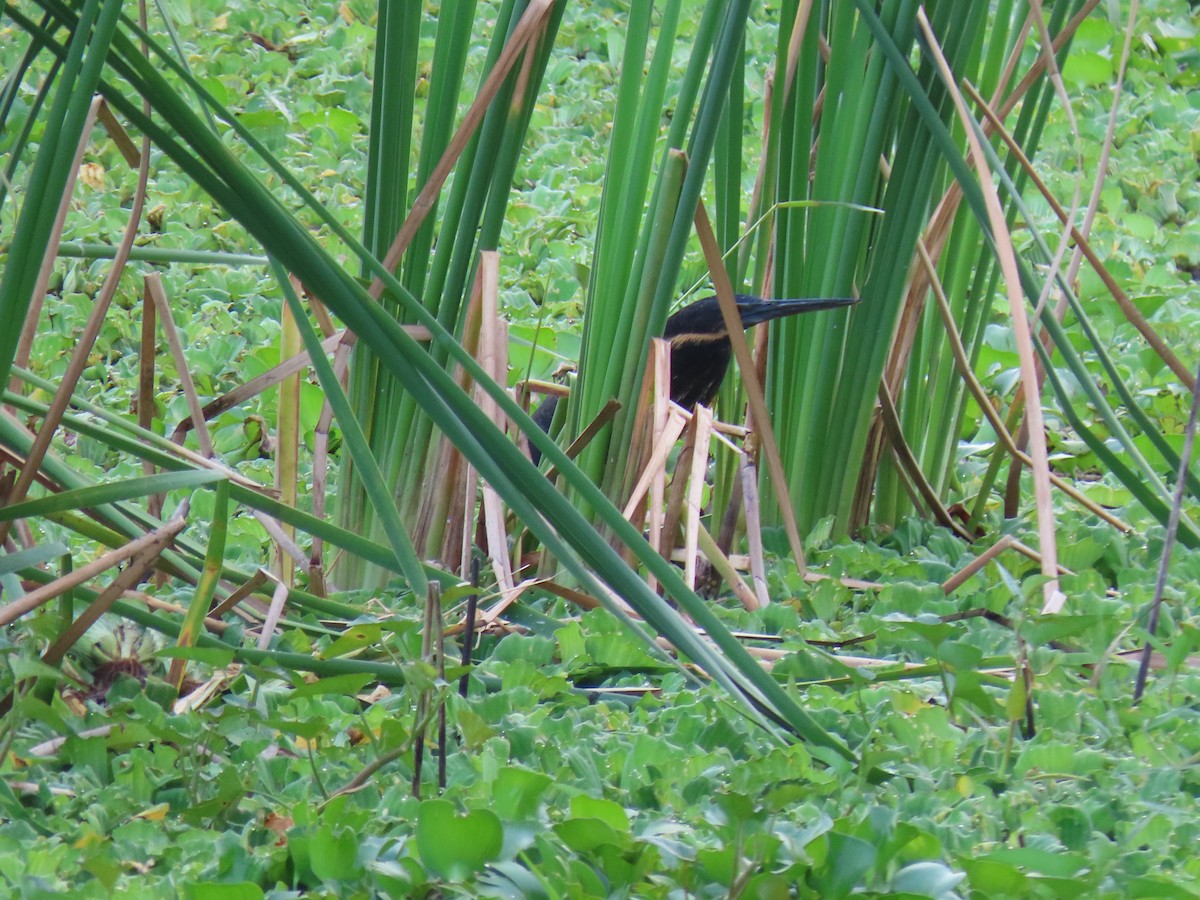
[{"x": 700, "y": 348}]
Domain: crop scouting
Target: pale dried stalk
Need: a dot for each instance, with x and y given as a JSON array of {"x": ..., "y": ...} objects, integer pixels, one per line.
[
  {"x": 119, "y": 136},
  {"x": 725, "y": 568},
  {"x": 319, "y": 311},
  {"x": 274, "y": 612},
  {"x": 1160, "y": 583},
  {"x": 469, "y": 483},
  {"x": 212, "y": 687},
  {"x": 276, "y": 374},
  {"x": 795, "y": 39},
  {"x": 585, "y": 437},
  {"x": 660, "y": 365},
  {"x": 1132, "y": 314},
  {"x": 695, "y": 495},
  {"x": 943, "y": 218},
  {"x": 1038, "y": 68},
  {"x": 285, "y": 542},
  {"x": 146, "y": 403},
  {"x": 470, "y": 488},
  {"x": 508, "y": 596},
  {"x": 654, "y": 468},
  {"x": 1022, "y": 330},
  {"x": 959, "y": 578},
  {"x": 750, "y": 506},
  {"x": 443, "y": 504},
  {"x": 739, "y": 561},
  {"x": 578, "y": 598},
  {"x": 34, "y": 789},
  {"x": 768, "y": 656},
  {"x": 491, "y": 361},
  {"x": 679, "y": 482},
  {"x": 1106, "y": 146},
  {"x": 287, "y": 449},
  {"x": 1030, "y": 553},
  {"x": 53, "y": 745},
  {"x": 216, "y": 626},
  {"x": 754, "y": 391},
  {"x": 320, "y": 486},
  {"x": 1054, "y": 269},
  {"x": 1055, "y": 77}
]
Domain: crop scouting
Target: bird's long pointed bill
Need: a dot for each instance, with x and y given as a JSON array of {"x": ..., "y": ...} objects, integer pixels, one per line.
[{"x": 758, "y": 311}]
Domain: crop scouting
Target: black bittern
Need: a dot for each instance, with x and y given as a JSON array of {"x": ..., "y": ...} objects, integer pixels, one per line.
[{"x": 700, "y": 348}]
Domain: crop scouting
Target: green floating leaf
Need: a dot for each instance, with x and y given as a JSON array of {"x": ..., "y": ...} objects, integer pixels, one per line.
[
  {"x": 997, "y": 879},
  {"x": 335, "y": 854},
  {"x": 935, "y": 632},
  {"x": 343, "y": 685},
  {"x": 24, "y": 667},
  {"x": 516, "y": 792},
  {"x": 1014, "y": 703},
  {"x": 929, "y": 879},
  {"x": 583, "y": 835},
  {"x": 1045, "y": 629},
  {"x": 1043, "y": 862},
  {"x": 611, "y": 814},
  {"x": 218, "y": 890},
  {"x": 719, "y": 864},
  {"x": 1158, "y": 886},
  {"x": 305, "y": 728},
  {"x": 1088, "y": 69},
  {"x": 848, "y": 860},
  {"x": 454, "y": 846}
]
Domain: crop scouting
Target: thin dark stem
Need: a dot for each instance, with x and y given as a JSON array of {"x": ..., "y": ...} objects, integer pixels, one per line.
[
  {"x": 423, "y": 710},
  {"x": 1185, "y": 456},
  {"x": 418, "y": 748},
  {"x": 439, "y": 659},
  {"x": 469, "y": 632},
  {"x": 316, "y": 770}
]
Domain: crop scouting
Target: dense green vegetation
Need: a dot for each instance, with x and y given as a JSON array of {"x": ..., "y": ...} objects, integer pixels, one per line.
[{"x": 991, "y": 750}]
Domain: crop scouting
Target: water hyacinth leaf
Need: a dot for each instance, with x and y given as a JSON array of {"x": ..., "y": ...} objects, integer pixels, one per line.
[{"x": 455, "y": 846}]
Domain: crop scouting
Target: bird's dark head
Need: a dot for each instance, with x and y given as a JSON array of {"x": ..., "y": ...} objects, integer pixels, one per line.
[
  {"x": 702, "y": 321},
  {"x": 700, "y": 348}
]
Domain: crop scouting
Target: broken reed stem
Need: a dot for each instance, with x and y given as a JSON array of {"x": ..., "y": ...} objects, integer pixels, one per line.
[
  {"x": 31, "y": 601},
  {"x": 153, "y": 285},
  {"x": 962, "y": 363},
  {"x": 955, "y": 581},
  {"x": 908, "y": 462}
]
